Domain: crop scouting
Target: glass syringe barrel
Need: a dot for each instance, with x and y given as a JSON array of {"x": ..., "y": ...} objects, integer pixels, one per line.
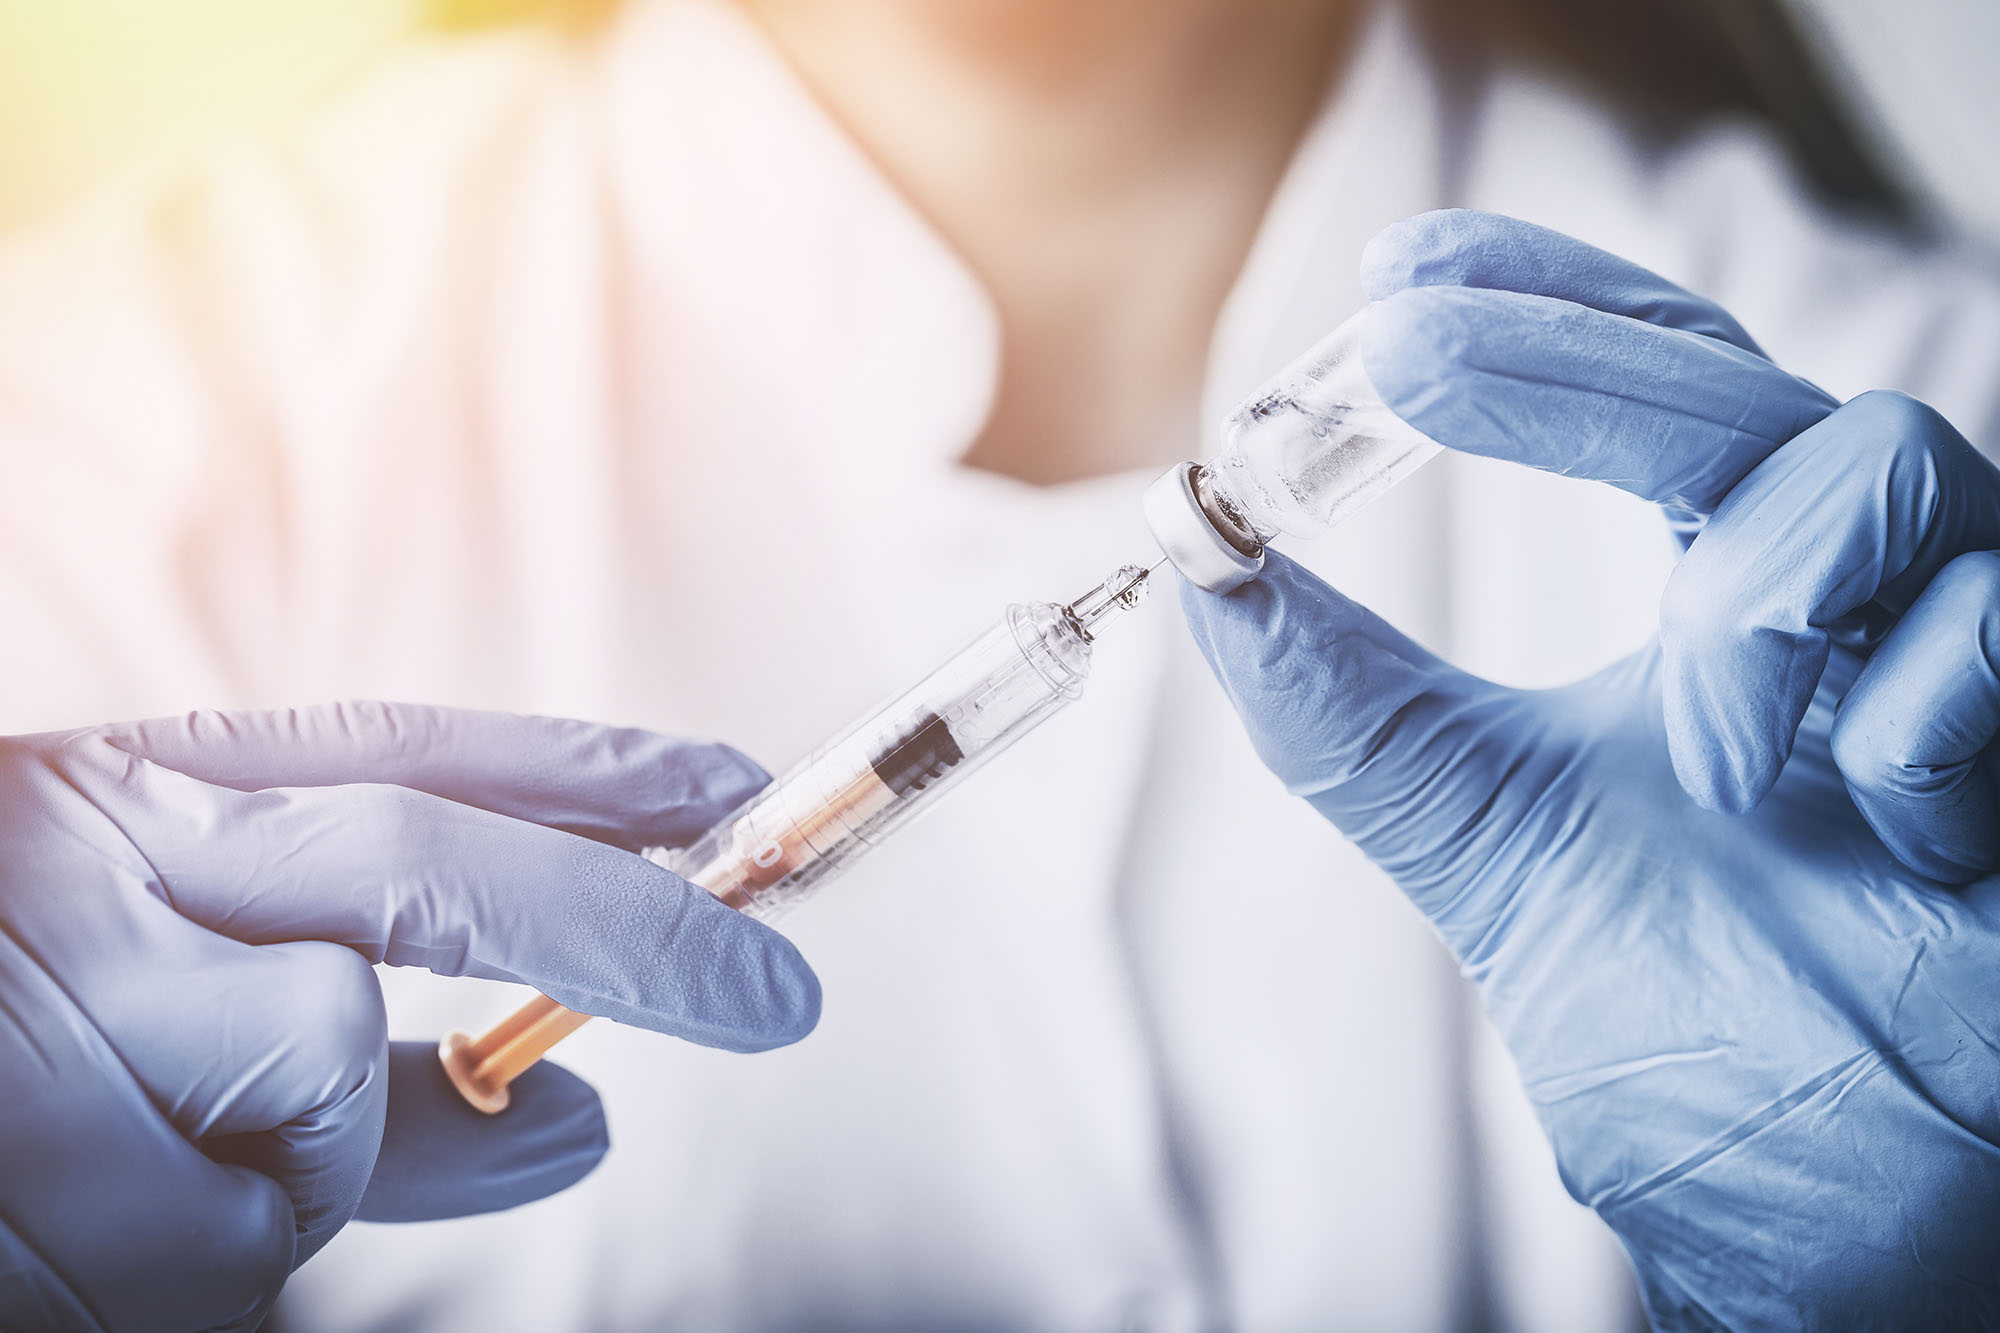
[{"x": 778, "y": 847}]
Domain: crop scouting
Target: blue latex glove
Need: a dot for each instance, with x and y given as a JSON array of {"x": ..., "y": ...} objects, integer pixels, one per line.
[
  {"x": 197, "y": 1077},
  {"x": 1706, "y": 894}
]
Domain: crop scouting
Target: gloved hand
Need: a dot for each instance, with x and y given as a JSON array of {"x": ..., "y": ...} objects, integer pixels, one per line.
[
  {"x": 1708, "y": 894},
  {"x": 196, "y": 1074}
]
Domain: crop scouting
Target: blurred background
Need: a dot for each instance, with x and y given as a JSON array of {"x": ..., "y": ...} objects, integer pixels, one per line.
[
  {"x": 88, "y": 86},
  {"x": 93, "y": 88}
]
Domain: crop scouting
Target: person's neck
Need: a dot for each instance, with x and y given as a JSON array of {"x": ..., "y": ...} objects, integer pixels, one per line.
[{"x": 1100, "y": 164}]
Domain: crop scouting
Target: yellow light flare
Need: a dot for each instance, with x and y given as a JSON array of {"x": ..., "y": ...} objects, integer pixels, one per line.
[{"x": 87, "y": 85}]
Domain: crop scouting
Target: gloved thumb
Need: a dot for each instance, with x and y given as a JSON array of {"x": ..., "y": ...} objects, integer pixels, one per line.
[
  {"x": 441, "y": 1158},
  {"x": 1402, "y": 751}
]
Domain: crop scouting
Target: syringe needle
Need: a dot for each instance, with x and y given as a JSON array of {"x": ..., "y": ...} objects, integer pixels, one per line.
[{"x": 1121, "y": 592}]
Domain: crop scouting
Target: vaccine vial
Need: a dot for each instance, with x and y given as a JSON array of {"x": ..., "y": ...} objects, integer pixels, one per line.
[{"x": 1311, "y": 447}]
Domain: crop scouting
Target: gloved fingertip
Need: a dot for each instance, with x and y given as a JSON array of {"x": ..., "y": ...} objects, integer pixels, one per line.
[
  {"x": 1245, "y": 605},
  {"x": 1407, "y": 252},
  {"x": 675, "y": 790},
  {"x": 1715, "y": 774},
  {"x": 1914, "y": 760},
  {"x": 1415, "y": 345},
  {"x": 1243, "y": 632},
  {"x": 789, "y": 1007},
  {"x": 441, "y": 1158},
  {"x": 1718, "y": 794},
  {"x": 729, "y": 776}
]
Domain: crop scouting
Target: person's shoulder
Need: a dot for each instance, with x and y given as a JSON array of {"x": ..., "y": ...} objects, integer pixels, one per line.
[
  {"x": 423, "y": 137},
  {"x": 210, "y": 284},
  {"x": 378, "y": 155},
  {"x": 429, "y": 108}
]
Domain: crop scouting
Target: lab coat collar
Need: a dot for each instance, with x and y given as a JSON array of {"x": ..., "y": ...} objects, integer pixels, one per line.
[
  {"x": 1347, "y": 180},
  {"x": 822, "y": 271},
  {"x": 816, "y": 269}
]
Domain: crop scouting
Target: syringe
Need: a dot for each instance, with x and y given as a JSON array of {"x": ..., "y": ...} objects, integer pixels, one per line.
[{"x": 778, "y": 847}]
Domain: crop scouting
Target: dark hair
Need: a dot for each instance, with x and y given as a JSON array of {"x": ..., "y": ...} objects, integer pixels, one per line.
[
  {"x": 1666, "y": 66},
  {"x": 1669, "y": 66}
]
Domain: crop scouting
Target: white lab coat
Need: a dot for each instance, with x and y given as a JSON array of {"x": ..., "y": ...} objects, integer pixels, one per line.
[{"x": 612, "y": 381}]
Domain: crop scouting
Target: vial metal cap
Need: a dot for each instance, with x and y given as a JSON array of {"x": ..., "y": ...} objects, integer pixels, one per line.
[{"x": 1186, "y": 536}]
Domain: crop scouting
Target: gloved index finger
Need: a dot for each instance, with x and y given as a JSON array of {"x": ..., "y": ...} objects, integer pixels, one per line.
[
  {"x": 1462, "y": 247},
  {"x": 1670, "y": 416},
  {"x": 619, "y": 785},
  {"x": 408, "y": 878}
]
